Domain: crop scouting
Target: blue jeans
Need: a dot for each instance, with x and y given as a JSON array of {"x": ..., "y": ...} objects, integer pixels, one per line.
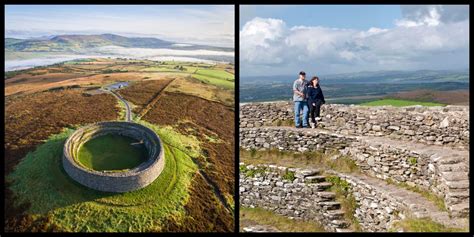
[{"x": 301, "y": 105}]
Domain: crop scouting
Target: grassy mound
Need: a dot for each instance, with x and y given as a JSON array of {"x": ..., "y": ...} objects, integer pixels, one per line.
[
  {"x": 399, "y": 103},
  {"x": 112, "y": 152},
  {"x": 40, "y": 180}
]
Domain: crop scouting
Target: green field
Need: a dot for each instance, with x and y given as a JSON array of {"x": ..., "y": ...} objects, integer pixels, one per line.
[
  {"x": 112, "y": 152},
  {"x": 215, "y": 81},
  {"x": 40, "y": 180},
  {"x": 216, "y": 77},
  {"x": 399, "y": 103},
  {"x": 220, "y": 74}
]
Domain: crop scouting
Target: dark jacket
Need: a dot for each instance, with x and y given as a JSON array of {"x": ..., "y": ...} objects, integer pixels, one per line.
[{"x": 315, "y": 94}]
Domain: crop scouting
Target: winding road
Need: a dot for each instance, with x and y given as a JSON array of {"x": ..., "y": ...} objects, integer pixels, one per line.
[{"x": 128, "y": 113}]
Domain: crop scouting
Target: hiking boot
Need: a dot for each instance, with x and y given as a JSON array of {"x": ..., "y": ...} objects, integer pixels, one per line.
[
  {"x": 318, "y": 118},
  {"x": 313, "y": 125}
]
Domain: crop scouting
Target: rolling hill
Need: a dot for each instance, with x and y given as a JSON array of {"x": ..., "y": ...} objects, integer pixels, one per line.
[
  {"x": 80, "y": 43},
  {"x": 363, "y": 86},
  {"x": 419, "y": 76}
]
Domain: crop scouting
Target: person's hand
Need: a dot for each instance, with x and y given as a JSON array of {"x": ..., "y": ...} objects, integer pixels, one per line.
[{"x": 314, "y": 104}]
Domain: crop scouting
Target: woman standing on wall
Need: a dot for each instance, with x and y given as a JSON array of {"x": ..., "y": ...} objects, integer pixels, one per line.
[{"x": 315, "y": 100}]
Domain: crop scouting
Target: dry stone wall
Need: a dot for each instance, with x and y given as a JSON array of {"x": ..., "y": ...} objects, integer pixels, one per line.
[
  {"x": 443, "y": 171},
  {"x": 376, "y": 210},
  {"x": 291, "y": 140},
  {"x": 304, "y": 197},
  {"x": 114, "y": 181},
  {"x": 431, "y": 125}
]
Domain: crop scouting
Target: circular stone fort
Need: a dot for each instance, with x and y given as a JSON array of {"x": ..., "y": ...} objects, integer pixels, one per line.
[{"x": 122, "y": 180}]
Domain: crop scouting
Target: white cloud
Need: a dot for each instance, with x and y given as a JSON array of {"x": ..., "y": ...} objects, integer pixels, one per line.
[
  {"x": 417, "y": 16},
  {"x": 260, "y": 40},
  {"x": 435, "y": 13},
  {"x": 426, "y": 38}
]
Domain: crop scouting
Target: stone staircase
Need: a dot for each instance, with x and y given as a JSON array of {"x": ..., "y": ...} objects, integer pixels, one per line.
[
  {"x": 306, "y": 197},
  {"x": 451, "y": 165},
  {"x": 440, "y": 169},
  {"x": 443, "y": 170},
  {"x": 412, "y": 204}
]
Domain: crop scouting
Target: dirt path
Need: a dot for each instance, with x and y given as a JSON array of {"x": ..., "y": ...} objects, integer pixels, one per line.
[{"x": 154, "y": 100}]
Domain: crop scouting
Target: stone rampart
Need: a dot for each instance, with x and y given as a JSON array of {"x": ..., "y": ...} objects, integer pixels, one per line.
[
  {"x": 291, "y": 192},
  {"x": 440, "y": 170},
  {"x": 430, "y": 125},
  {"x": 114, "y": 181}
]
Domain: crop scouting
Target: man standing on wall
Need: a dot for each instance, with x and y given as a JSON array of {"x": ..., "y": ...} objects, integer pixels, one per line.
[{"x": 299, "y": 97}]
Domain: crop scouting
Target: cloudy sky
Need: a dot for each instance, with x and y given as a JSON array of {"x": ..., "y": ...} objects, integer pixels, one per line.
[
  {"x": 202, "y": 24},
  {"x": 283, "y": 40}
]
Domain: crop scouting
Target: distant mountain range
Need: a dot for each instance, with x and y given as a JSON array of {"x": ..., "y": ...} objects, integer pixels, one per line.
[
  {"x": 80, "y": 43},
  {"x": 419, "y": 76}
]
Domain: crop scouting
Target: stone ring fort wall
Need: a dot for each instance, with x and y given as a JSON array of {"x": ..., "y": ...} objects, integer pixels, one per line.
[
  {"x": 430, "y": 125},
  {"x": 114, "y": 181},
  {"x": 366, "y": 137}
]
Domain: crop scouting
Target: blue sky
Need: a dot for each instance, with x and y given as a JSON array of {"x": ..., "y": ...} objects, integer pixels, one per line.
[
  {"x": 185, "y": 23},
  {"x": 282, "y": 40},
  {"x": 347, "y": 16}
]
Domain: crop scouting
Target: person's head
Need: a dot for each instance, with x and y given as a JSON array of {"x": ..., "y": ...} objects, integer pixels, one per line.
[
  {"x": 314, "y": 81},
  {"x": 302, "y": 75}
]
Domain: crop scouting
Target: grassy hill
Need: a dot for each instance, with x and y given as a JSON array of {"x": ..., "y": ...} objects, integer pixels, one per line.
[{"x": 75, "y": 43}]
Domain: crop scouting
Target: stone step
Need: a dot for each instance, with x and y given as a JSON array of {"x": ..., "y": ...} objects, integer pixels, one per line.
[
  {"x": 459, "y": 167},
  {"x": 330, "y": 205},
  {"x": 459, "y": 210},
  {"x": 306, "y": 172},
  {"x": 463, "y": 184},
  {"x": 415, "y": 204},
  {"x": 449, "y": 160},
  {"x": 455, "y": 176},
  {"x": 343, "y": 230},
  {"x": 340, "y": 223},
  {"x": 323, "y": 185},
  {"x": 335, "y": 214},
  {"x": 326, "y": 195},
  {"x": 315, "y": 179},
  {"x": 459, "y": 194}
]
